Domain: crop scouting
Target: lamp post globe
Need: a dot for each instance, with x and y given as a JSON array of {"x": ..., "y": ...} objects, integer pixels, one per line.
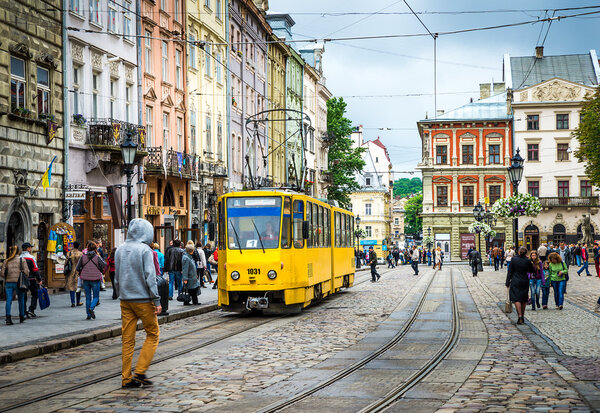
[
  {"x": 142, "y": 186},
  {"x": 478, "y": 212},
  {"x": 128, "y": 150},
  {"x": 515, "y": 174}
]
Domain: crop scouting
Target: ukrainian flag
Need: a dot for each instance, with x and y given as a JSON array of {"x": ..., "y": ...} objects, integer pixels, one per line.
[{"x": 47, "y": 178}]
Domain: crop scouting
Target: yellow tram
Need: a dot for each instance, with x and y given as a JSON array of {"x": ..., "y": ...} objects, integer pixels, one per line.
[{"x": 279, "y": 250}]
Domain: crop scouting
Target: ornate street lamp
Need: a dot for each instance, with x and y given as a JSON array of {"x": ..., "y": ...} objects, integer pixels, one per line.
[
  {"x": 515, "y": 173},
  {"x": 128, "y": 150},
  {"x": 479, "y": 215}
]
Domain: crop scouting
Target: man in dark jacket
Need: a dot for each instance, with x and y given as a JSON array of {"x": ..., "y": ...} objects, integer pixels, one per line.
[
  {"x": 373, "y": 263},
  {"x": 474, "y": 260},
  {"x": 35, "y": 280},
  {"x": 173, "y": 257}
]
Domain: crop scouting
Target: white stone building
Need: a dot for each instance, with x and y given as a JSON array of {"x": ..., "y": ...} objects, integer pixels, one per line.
[{"x": 546, "y": 106}]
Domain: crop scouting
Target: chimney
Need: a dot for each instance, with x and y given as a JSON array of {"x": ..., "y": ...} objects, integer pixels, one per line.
[
  {"x": 498, "y": 88},
  {"x": 484, "y": 90},
  {"x": 539, "y": 52}
]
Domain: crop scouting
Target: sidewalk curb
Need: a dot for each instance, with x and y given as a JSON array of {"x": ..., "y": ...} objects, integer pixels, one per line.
[{"x": 53, "y": 345}]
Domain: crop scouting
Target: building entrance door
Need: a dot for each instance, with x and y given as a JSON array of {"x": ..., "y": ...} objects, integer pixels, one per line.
[
  {"x": 15, "y": 231},
  {"x": 532, "y": 238},
  {"x": 163, "y": 235}
]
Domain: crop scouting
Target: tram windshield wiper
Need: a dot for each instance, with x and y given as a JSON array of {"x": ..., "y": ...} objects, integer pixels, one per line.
[
  {"x": 258, "y": 233},
  {"x": 237, "y": 238}
]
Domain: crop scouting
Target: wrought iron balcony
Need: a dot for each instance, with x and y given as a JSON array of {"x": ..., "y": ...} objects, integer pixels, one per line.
[
  {"x": 173, "y": 162},
  {"x": 572, "y": 201},
  {"x": 112, "y": 132}
]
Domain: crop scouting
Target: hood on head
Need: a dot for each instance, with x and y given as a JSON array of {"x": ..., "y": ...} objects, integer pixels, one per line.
[
  {"x": 91, "y": 254},
  {"x": 140, "y": 230}
]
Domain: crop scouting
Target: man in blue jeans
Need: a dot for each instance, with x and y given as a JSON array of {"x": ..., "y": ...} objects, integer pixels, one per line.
[
  {"x": 584, "y": 261},
  {"x": 173, "y": 258}
]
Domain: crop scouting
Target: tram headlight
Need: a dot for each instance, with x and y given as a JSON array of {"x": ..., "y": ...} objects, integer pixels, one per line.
[
  {"x": 272, "y": 274},
  {"x": 235, "y": 275}
]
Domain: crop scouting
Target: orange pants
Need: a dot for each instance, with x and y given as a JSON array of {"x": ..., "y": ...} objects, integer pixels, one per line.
[{"x": 131, "y": 312}]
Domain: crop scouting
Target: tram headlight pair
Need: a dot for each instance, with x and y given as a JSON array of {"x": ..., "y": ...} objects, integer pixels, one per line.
[
  {"x": 235, "y": 275},
  {"x": 272, "y": 274}
]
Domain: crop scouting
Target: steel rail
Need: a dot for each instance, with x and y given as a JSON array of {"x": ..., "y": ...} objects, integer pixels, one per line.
[
  {"x": 274, "y": 407},
  {"x": 113, "y": 375},
  {"x": 391, "y": 397}
]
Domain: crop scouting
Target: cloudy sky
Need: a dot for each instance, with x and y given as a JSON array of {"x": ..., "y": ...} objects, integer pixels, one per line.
[{"x": 367, "y": 72}]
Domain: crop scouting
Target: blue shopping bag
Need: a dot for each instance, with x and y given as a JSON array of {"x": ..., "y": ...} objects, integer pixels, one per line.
[{"x": 43, "y": 298}]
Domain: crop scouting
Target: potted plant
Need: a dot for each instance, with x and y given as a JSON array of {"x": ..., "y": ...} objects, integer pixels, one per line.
[
  {"x": 516, "y": 206},
  {"x": 478, "y": 227},
  {"x": 79, "y": 119},
  {"x": 21, "y": 111}
]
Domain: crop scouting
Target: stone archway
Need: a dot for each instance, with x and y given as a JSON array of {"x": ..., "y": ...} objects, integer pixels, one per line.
[{"x": 18, "y": 224}]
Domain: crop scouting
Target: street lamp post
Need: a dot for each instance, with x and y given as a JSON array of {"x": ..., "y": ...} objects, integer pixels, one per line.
[
  {"x": 142, "y": 186},
  {"x": 128, "y": 150},
  {"x": 515, "y": 173},
  {"x": 479, "y": 215}
]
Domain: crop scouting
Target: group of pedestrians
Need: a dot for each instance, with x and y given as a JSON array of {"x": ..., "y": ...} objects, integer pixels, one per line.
[
  {"x": 21, "y": 261},
  {"x": 404, "y": 256}
]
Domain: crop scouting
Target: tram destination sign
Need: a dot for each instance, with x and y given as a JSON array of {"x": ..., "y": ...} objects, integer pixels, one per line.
[{"x": 75, "y": 195}]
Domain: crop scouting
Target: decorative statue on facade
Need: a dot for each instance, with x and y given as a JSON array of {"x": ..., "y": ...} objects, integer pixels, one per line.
[{"x": 586, "y": 229}]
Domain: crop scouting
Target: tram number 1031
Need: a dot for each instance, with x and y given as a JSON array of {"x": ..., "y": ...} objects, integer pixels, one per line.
[{"x": 253, "y": 271}]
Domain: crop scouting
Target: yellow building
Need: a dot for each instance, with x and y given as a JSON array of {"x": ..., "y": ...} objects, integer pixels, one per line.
[
  {"x": 278, "y": 53},
  {"x": 207, "y": 112}
]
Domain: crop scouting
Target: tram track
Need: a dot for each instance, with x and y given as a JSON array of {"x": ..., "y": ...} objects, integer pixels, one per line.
[
  {"x": 29, "y": 381},
  {"x": 414, "y": 379}
]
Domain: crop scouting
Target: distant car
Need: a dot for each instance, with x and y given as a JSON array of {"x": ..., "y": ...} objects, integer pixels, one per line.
[{"x": 380, "y": 260}]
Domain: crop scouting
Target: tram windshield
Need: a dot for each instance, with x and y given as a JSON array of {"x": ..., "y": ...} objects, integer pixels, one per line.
[{"x": 253, "y": 222}]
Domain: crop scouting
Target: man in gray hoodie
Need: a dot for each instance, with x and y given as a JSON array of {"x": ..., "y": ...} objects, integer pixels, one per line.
[{"x": 135, "y": 284}]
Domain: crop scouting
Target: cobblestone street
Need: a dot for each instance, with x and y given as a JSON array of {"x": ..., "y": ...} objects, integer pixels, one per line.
[{"x": 223, "y": 362}]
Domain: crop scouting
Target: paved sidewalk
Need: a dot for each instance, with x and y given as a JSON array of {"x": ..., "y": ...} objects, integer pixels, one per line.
[{"x": 61, "y": 326}]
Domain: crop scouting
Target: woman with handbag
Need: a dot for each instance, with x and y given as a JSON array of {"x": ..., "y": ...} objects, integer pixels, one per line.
[
  {"x": 189, "y": 274},
  {"x": 517, "y": 280},
  {"x": 535, "y": 279},
  {"x": 91, "y": 270},
  {"x": 73, "y": 258},
  {"x": 558, "y": 278},
  {"x": 214, "y": 260},
  {"x": 13, "y": 269}
]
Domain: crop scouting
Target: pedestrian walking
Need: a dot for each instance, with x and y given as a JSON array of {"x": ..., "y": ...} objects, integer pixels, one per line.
[
  {"x": 11, "y": 270},
  {"x": 509, "y": 256},
  {"x": 200, "y": 258},
  {"x": 160, "y": 256},
  {"x": 429, "y": 257},
  {"x": 583, "y": 254},
  {"x": 535, "y": 279},
  {"x": 173, "y": 266},
  {"x": 558, "y": 277},
  {"x": 72, "y": 276},
  {"x": 496, "y": 258},
  {"x": 546, "y": 282},
  {"x": 390, "y": 260},
  {"x": 415, "y": 260},
  {"x": 517, "y": 281},
  {"x": 190, "y": 274},
  {"x": 35, "y": 280},
  {"x": 439, "y": 258},
  {"x": 135, "y": 281},
  {"x": 91, "y": 269},
  {"x": 596, "y": 252},
  {"x": 474, "y": 260},
  {"x": 578, "y": 254},
  {"x": 542, "y": 252},
  {"x": 213, "y": 260},
  {"x": 208, "y": 252},
  {"x": 373, "y": 263},
  {"x": 110, "y": 268}
]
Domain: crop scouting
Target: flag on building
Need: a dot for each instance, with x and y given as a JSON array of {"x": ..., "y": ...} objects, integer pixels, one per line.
[{"x": 47, "y": 178}]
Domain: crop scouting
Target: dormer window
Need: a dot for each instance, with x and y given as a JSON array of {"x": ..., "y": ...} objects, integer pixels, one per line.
[{"x": 368, "y": 181}]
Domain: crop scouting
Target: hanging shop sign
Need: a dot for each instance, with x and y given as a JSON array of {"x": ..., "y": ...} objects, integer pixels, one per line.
[{"x": 75, "y": 195}]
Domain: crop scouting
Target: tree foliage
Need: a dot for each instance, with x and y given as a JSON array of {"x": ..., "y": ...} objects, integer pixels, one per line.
[
  {"x": 404, "y": 187},
  {"x": 413, "y": 223},
  {"x": 588, "y": 135},
  {"x": 344, "y": 161}
]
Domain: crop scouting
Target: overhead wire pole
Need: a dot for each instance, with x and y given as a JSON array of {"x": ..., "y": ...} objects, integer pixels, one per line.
[{"x": 434, "y": 36}]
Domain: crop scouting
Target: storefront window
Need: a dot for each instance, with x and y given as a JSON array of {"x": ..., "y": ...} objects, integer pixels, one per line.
[{"x": 105, "y": 205}]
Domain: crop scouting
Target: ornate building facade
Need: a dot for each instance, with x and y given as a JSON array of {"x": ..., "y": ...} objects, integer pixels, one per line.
[
  {"x": 546, "y": 107},
  {"x": 466, "y": 153},
  {"x": 31, "y": 109}
]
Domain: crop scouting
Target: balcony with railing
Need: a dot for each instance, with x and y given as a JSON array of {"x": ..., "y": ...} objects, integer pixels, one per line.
[
  {"x": 571, "y": 201},
  {"x": 110, "y": 133},
  {"x": 175, "y": 163}
]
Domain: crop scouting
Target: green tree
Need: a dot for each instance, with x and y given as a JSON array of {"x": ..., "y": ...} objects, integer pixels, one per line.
[
  {"x": 413, "y": 223},
  {"x": 588, "y": 135},
  {"x": 404, "y": 187},
  {"x": 344, "y": 161}
]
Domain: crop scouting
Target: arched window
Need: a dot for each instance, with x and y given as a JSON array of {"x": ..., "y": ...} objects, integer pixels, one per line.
[
  {"x": 580, "y": 232},
  {"x": 169, "y": 197},
  {"x": 558, "y": 234}
]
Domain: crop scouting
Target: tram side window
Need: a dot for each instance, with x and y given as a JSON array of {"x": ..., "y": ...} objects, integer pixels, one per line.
[
  {"x": 338, "y": 232},
  {"x": 343, "y": 238},
  {"x": 221, "y": 226},
  {"x": 347, "y": 239},
  {"x": 297, "y": 228},
  {"x": 286, "y": 225},
  {"x": 321, "y": 227},
  {"x": 309, "y": 218},
  {"x": 327, "y": 228},
  {"x": 315, "y": 215},
  {"x": 352, "y": 235}
]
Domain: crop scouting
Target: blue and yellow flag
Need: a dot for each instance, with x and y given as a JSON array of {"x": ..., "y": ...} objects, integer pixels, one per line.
[{"x": 47, "y": 178}]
